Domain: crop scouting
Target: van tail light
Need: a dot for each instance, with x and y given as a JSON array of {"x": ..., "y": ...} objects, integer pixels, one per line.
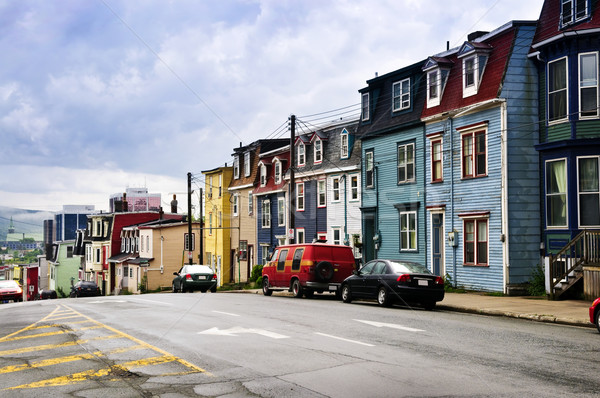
[
  {"x": 214, "y": 276},
  {"x": 188, "y": 277},
  {"x": 439, "y": 280},
  {"x": 404, "y": 278}
]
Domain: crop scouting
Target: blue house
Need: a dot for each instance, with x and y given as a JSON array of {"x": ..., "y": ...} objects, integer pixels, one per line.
[
  {"x": 565, "y": 50},
  {"x": 482, "y": 172},
  {"x": 393, "y": 151}
]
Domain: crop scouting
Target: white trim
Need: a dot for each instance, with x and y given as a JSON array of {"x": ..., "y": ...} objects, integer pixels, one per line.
[
  {"x": 566, "y": 193},
  {"x": 579, "y": 191},
  {"x": 566, "y": 118},
  {"x": 579, "y": 85},
  {"x": 566, "y": 34}
]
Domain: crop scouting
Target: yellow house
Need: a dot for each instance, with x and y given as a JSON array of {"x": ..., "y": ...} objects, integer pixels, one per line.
[{"x": 217, "y": 224}]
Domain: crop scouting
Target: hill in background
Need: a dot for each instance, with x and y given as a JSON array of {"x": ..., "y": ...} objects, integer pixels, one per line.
[{"x": 24, "y": 221}]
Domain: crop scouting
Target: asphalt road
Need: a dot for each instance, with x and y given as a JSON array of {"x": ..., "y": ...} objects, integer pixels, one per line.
[{"x": 239, "y": 345}]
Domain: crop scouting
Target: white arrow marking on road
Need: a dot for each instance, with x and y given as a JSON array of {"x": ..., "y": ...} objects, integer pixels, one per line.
[
  {"x": 343, "y": 339},
  {"x": 226, "y": 313},
  {"x": 234, "y": 331},
  {"x": 389, "y": 325}
]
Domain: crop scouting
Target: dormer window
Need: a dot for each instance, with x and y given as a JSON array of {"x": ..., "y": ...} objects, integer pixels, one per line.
[
  {"x": 247, "y": 164},
  {"x": 318, "y": 150},
  {"x": 474, "y": 59},
  {"x": 263, "y": 175},
  {"x": 277, "y": 171},
  {"x": 437, "y": 69},
  {"x": 573, "y": 11},
  {"x": 401, "y": 95},
  {"x": 344, "y": 145},
  {"x": 236, "y": 167},
  {"x": 365, "y": 107},
  {"x": 301, "y": 154}
]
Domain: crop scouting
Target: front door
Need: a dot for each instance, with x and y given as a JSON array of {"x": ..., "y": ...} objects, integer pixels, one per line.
[
  {"x": 437, "y": 231},
  {"x": 369, "y": 232}
]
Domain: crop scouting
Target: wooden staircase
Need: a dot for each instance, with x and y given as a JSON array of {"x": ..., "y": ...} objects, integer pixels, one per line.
[{"x": 566, "y": 267}]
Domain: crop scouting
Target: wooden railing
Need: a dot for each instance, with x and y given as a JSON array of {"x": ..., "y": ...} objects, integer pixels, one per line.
[{"x": 566, "y": 265}]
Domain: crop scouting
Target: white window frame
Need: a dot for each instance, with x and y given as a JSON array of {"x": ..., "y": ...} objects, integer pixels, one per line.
[
  {"x": 580, "y": 193},
  {"x": 235, "y": 203},
  {"x": 433, "y": 159},
  {"x": 474, "y": 132},
  {"x": 588, "y": 85},
  {"x": 263, "y": 175},
  {"x": 476, "y": 223},
  {"x": 277, "y": 171},
  {"x": 318, "y": 151},
  {"x": 336, "y": 240},
  {"x": 300, "y": 235},
  {"x": 250, "y": 203},
  {"x": 547, "y": 196},
  {"x": 401, "y": 95},
  {"x": 300, "y": 196},
  {"x": 322, "y": 193},
  {"x": 281, "y": 212},
  {"x": 570, "y": 12},
  {"x": 266, "y": 214},
  {"x": 565, "y": 89},
  {"x": 405, "y": 220},
  {"x": 344, "y": 145},
  {"x": 336, "y": 189},
  {"x": 247, "y": 164},
  {"x": 354, "y": 187},
  {"x": 434, "y": 80},
  {"x": 301, "y": 152},
  {"x": 365, "y": 107},
  {"x": 473, "y": 88},
  {"x": 370, "y": 168},
  {"x": 236, "y": 167},
  {"x": 407, "y": 149}
]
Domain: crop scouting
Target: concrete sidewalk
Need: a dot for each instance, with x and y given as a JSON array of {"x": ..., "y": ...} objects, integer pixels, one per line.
[{"x": 566, "y": 312}]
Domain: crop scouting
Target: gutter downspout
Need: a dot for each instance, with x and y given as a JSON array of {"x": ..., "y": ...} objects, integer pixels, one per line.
[
  {"x": 454, "y": 248},
  {"x": 346, "y": 238},
  {"x": 377, "y": 243},
  {"x": 504, "y": 195}
]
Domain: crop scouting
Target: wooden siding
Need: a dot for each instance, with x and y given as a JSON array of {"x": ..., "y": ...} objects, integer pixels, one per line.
[
  {"x": 588, "y": 129},
  {"x": 343, "y": 213}
]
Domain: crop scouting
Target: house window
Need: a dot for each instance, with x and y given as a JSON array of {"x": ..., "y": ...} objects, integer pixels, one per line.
[
  {"x": 98, "y": 258},
  {"x": 573, "y": 11},
  {"x": 321, "y": 193},
  {"x": 344, "y": 145},
  {"x": 474, "y": 157},
  {"x": 335, "y": 188},
  {"x": 280, "y": 211},
  {"x": 589, "y": 191},
  {"x": 263, "y": 175},
  {"x": 235, "y": 202},
  {"x": 476, "y": 242},
  {"x": 354, "y": 187},
  {"x": 322, "y": 236},
  {"x": 69, "y": 251},
  {"x": 266, "y": 214},
  {"x": 220, "y": 184},
  {"x": 264, "y": 255},
  {"x": 433, "y": 91},
  {"x": 250, "y": 203},
  {"x": 301, "y": 154},
  {"x": 408, "y": 230},
  {"x": 243, "y": 254},
  {"x": 186, "y": 242},
  {"x": 337, "y": 236},
  {"x": 300, "y": 196},
  {"x": 300, "y": 235},
  {"x": 365, "y": 106},
  {"x": 588, "y": 85},
  {"x": 236, "y": 167},
  {"x": 210, "y": 223},
  {"x": 556, "y": 193},
  {"x": 369, "y": 171},
  {"x": 436, "y": 161},
  {"x": 247, "y": 164},
  {"x": 406, "y": 163},
  {"x": 220, "y": 218},
  {"x": 318, "y": 151},
  {"x": 277, "y": 167},
  {"x": 401, "y": 95},
  {"x": 557, "y": 90}
]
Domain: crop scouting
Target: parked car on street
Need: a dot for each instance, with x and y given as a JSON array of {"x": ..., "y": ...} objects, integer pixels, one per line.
[
  {"x": 10, "y": 290},
  {"x": 394, "y": 281},
  {"x": 85, "y": 289},
  {"x": 304, "y": 269},
  {"x": 595, "y": 313},
  {"x": 47, "y": 294},
  {"x": 195, "y": 277}
]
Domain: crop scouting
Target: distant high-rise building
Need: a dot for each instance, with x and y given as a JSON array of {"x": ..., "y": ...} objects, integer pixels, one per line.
[
  {"x": 70, "y": 219},
  {"x": 135, "y": 199}
]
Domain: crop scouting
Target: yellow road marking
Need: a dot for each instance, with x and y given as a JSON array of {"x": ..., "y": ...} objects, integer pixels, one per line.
[{"x": 51, "y": 346}]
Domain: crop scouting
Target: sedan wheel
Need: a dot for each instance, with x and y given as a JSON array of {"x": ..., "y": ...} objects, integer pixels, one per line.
[
  {"x": 297, "y": 289},
  {"x": 346, "y": 295},
  {"x": 182, "y": 287},
  {"x": 598, "y": 320},
  {"x": 383, "y": 297},
  {"x": 174, "y": 288}
]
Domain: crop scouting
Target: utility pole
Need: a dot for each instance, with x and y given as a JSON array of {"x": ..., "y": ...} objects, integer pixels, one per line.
[
  {"x": 190, "y": 239},
  {"x": 201, "y": 250},
  {"x": 292, "y": 189}
]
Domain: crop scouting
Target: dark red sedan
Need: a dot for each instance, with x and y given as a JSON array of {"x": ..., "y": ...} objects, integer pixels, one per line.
[
  {"x": 10, "y": 290},
  {"x": 595, "y": 313}
]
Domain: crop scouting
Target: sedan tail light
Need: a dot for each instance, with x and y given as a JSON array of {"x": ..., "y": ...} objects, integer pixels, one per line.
[
  {"x": 439, "y": 280},
  {"x": 188, "y": 277},
  {"x": 404, "y": 278},
  {"x": 214, "y": 276}
]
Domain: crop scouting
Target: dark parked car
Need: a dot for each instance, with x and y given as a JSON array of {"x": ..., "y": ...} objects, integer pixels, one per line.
[
  {"x": 390, "y": 281},
  {"x": 10, "y": 290},
  {"x": 85, "y": 289},
  {"x": 47, "y": 294},
  {"x": 195, "y": 277},
  {"x": 595, "y": 313}
]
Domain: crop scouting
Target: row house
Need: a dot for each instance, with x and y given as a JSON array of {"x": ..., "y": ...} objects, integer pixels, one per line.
[
  {"x": 481, "y": 167},
  {"x": 327, "y": 186},
  {"x": 217, "y": 228},
  {"x": 64, "y": 266},
  {"x": 565, "y": 50},
  {"x": 393, "y": 172},
  {"x": 243, "y": 221}
]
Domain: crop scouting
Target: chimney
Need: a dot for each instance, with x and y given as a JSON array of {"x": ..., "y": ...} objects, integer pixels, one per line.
[
  {"x": 125, "y": 206},
  {"x": 475, "y": 35},
  {"x": 161, "y": 213},
  {"x": 174, "y": 205}
]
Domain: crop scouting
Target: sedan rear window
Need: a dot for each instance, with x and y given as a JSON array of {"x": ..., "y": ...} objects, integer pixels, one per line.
[
  {"x": 198, "y": 269},
  {"x": 401, "y": 267}
]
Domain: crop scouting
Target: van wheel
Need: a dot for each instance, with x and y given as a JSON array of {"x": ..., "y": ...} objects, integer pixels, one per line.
[
  {"x": 324, "y": 271},
  {"x": 297, "y": 289},
  {"x": 346, "y": 294},
  {"x": 265, "y": 286}
]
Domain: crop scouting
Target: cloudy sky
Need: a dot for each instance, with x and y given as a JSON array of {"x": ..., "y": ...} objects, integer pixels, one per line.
[{"x": 100, "y": 95}]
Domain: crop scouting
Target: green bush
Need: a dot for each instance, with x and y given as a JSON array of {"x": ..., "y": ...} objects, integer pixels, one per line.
[
  {"x": 537, "y": 283},
  {"x": 256, "y": 274}
]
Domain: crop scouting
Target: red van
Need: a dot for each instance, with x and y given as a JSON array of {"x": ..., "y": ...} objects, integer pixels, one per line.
[{"x": 304, "y": 269}]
